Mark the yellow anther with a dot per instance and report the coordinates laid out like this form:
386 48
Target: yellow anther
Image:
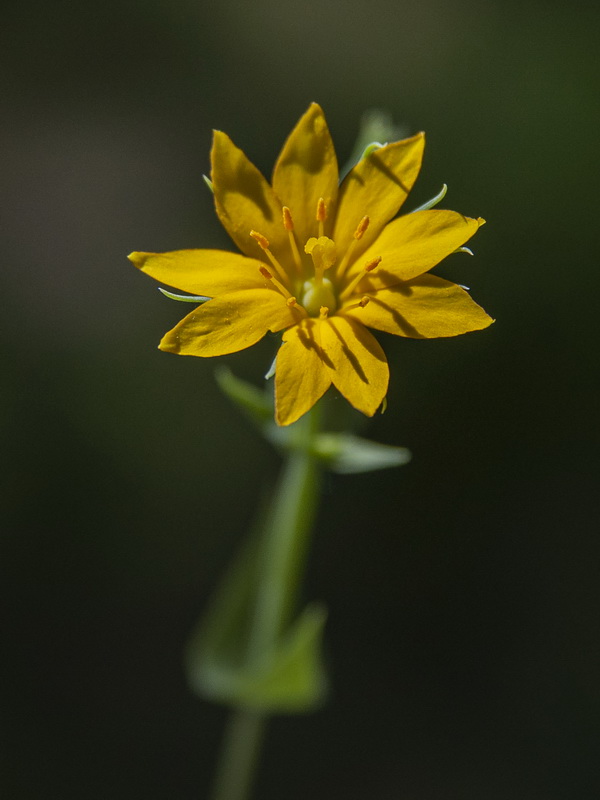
358 234
321 215
361 303
362 227
323 312
263 242
368 267
291 302
288 222
278 284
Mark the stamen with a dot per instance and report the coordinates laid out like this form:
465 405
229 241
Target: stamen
323 312
263 243
361 303
357 235
291 302
321 215
362 227
369 267
288 224
270 277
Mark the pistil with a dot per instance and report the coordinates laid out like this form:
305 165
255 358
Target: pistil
318 291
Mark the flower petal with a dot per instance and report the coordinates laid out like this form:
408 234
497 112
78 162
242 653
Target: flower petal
301 377
413 244
205 272
243 199
307 170
357 364
376 187
229 323
427 307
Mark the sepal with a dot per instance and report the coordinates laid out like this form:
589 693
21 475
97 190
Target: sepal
376 129
434 200
184 298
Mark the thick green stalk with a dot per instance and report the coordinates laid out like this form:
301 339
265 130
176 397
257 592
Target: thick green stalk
283 550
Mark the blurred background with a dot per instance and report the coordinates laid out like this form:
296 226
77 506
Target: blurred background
463 589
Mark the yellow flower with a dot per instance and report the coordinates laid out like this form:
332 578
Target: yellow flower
322 263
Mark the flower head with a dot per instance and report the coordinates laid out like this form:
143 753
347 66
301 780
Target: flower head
322 263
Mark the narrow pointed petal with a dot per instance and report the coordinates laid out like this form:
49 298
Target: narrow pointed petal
243 198
229 323
427 307
376 187
307 170
301 376
414 244
207 272
357 364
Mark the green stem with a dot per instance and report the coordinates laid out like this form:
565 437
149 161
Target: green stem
285 542
239 755
284 546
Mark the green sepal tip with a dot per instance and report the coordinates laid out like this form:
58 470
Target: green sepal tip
434 200
376 126
184 298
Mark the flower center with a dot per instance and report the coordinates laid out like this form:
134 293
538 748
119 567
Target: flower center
318 292
317 296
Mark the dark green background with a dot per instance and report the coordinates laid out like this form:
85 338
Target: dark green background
463 589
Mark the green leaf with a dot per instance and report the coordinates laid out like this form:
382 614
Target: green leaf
254 402
290 678
345 453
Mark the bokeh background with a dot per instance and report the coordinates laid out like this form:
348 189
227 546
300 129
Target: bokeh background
463 588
